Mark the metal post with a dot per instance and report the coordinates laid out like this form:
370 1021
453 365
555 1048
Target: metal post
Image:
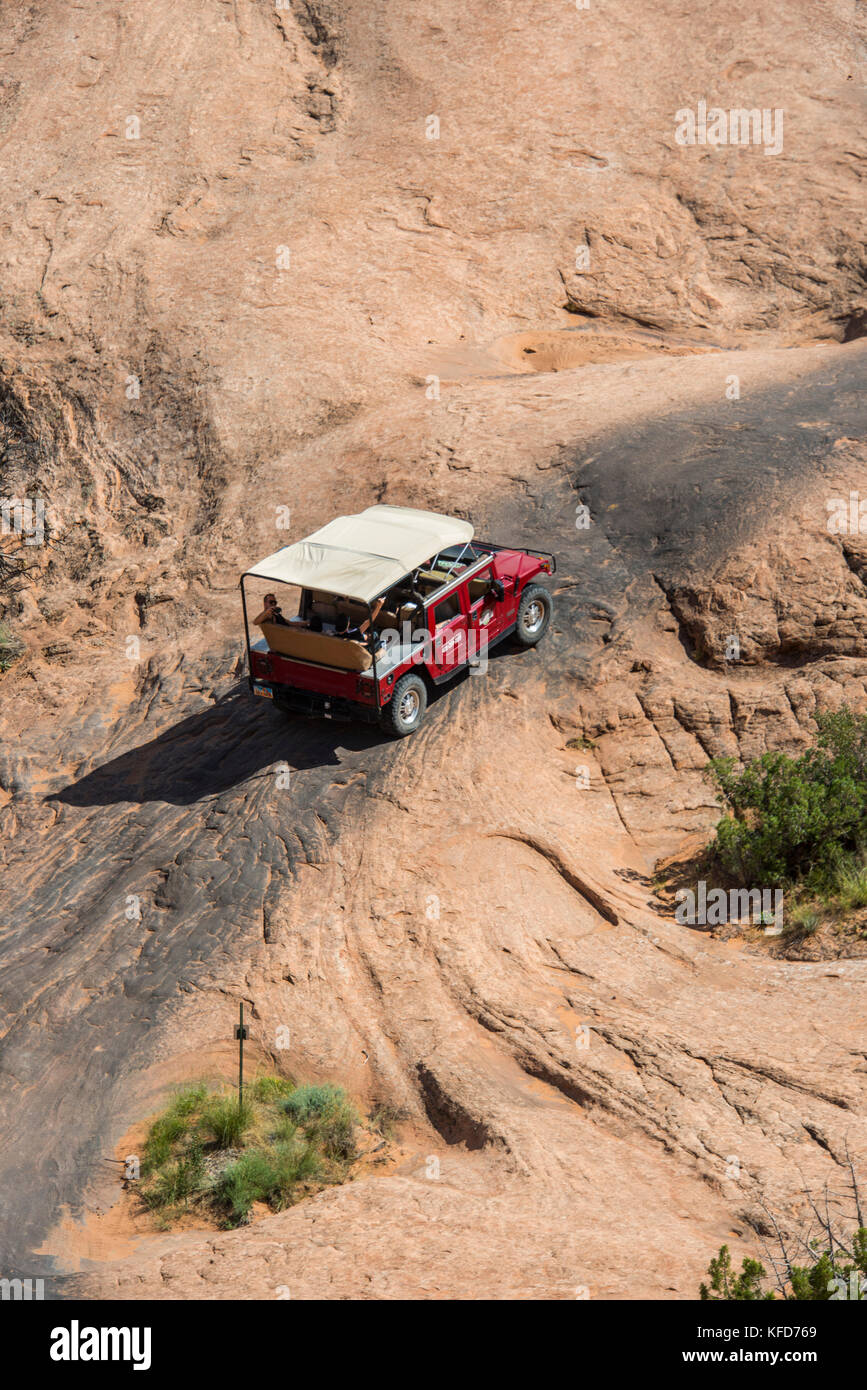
247 632
240 1034
241 1037
371 647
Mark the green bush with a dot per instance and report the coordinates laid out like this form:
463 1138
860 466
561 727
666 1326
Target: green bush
172 1125
849 887
335 1133
189 1099
328 1118
294 1163
726 1286
283 1130
311 1102
177 1181
270 1088
839 1274
250 1179
226 1121
269 1175
290 1140
803 920
797 819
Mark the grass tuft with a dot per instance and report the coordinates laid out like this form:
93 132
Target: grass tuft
850 885
225 1121
803 920
327 1116
291 1141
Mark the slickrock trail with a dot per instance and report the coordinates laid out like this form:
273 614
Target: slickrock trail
453 924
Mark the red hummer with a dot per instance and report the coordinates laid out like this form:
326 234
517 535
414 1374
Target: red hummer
385 605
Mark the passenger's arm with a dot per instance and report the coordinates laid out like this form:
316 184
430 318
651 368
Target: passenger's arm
374 614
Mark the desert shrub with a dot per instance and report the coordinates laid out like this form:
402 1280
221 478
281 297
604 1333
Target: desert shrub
248 1180
796 819
226 1121
189 1099
726 1286
283 1130
270 1088
160 1142
803 920
177 1181
310 1102
327 1116
335 1133
172 1126
294 1163
269 1175
287 1143
849 885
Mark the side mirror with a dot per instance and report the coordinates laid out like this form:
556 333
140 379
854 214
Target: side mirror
498 590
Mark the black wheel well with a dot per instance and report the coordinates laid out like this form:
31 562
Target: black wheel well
423 674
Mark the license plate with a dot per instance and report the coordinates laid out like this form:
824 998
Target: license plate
263 690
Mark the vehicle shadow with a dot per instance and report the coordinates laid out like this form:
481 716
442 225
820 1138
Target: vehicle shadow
215 750
226 745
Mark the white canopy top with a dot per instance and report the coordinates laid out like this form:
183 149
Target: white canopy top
360 556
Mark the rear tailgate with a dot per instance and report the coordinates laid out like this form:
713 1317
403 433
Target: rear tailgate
274 669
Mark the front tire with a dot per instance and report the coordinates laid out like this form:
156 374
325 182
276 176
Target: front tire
406 709
534 615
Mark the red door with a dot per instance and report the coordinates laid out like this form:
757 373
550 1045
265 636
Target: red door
447 633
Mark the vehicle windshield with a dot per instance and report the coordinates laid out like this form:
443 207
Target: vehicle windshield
456 558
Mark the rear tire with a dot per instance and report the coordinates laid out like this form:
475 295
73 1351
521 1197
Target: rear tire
534 615
406 708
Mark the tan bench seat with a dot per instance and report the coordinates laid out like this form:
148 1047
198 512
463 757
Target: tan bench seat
303 645
329 609
432 579
325 607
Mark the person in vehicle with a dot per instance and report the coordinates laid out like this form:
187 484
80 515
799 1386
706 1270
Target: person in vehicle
358 632
342 628
271 613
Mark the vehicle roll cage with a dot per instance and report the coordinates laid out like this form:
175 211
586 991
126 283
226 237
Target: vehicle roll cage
523 550
368 640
